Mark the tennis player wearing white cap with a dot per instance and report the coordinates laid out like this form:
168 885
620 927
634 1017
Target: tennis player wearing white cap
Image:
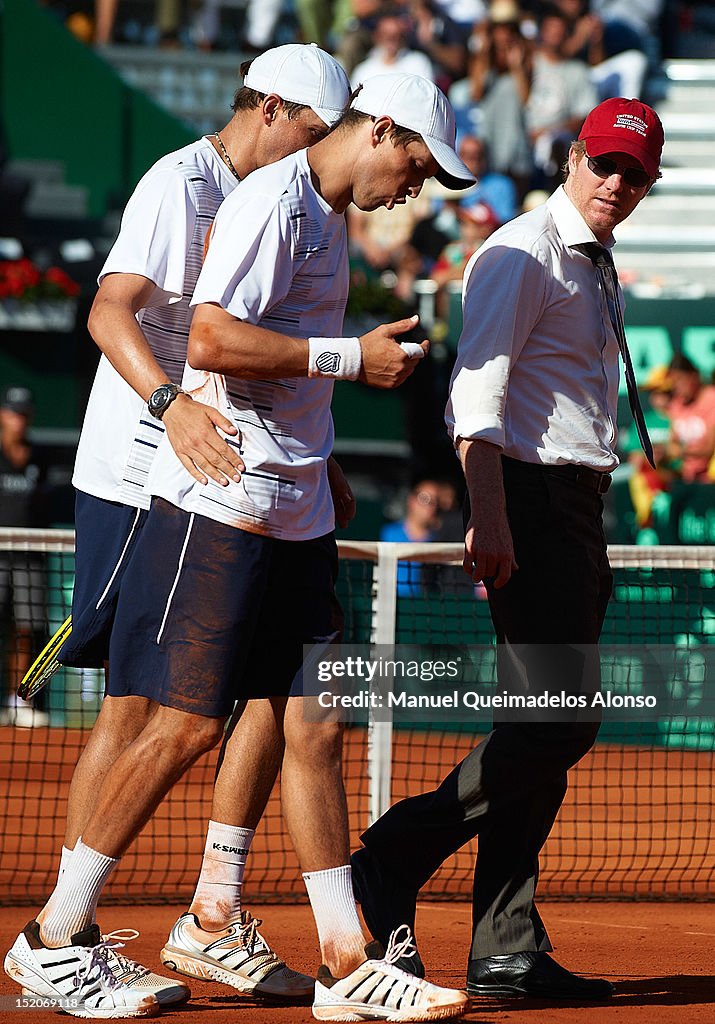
226 584
291 96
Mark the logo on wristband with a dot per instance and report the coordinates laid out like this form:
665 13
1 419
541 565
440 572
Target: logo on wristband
328 362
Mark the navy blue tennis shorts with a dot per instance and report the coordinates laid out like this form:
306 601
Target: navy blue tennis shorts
209 614
106 533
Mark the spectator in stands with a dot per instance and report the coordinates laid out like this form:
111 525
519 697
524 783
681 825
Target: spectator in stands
378 238
439 27
692 419
465 14
489 102
477 222
22 574
434 32
442 224
560 97
323 21
451 525
614 72
437 226
493 188
390 52
355 42
259 27
422 519
629 24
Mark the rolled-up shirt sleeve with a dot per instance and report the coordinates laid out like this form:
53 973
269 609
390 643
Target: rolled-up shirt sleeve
504 297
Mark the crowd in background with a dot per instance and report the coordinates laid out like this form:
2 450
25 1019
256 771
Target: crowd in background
681 422
521 77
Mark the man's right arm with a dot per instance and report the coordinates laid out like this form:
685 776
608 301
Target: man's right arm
221 343
190 426
488 544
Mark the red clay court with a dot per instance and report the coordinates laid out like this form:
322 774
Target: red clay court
626 873
659 954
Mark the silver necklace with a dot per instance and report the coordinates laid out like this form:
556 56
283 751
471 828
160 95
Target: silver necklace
226 157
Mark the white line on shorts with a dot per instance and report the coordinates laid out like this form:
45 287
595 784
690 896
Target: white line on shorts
121 559
176 578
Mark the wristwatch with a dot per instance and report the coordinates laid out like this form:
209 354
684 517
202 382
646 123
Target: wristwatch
161 399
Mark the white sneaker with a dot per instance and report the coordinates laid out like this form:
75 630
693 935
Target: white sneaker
78 975
378 990
130 974
238 956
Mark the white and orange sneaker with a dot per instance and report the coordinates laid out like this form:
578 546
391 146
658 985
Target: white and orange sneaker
79 977
379 990
238 956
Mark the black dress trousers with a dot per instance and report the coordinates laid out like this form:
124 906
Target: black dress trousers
509 789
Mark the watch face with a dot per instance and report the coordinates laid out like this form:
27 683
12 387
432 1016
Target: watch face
160 398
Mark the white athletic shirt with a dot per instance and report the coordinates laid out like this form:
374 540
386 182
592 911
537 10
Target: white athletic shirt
161 238
278 259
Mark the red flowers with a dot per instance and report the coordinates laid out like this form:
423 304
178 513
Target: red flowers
21 279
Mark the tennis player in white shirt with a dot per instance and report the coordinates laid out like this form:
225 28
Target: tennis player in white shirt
226 584
291 96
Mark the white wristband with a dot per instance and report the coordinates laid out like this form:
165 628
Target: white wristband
339 358
413 350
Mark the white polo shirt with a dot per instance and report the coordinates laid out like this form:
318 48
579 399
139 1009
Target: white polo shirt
277 259
161 238
537 363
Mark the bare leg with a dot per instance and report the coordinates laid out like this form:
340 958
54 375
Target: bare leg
312 791
248 765
120 721
252 752
105 11
316 814
141 776
144 773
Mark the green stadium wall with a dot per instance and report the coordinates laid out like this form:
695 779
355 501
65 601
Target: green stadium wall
61 101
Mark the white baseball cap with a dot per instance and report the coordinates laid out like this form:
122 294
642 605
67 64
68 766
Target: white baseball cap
416 103
302 74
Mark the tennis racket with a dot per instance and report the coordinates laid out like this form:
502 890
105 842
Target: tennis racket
45 664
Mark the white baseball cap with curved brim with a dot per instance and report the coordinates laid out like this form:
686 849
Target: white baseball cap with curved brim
302 73
416 103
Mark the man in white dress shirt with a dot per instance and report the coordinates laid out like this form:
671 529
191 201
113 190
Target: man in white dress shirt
532 412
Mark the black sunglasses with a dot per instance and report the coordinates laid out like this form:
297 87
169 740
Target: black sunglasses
604 168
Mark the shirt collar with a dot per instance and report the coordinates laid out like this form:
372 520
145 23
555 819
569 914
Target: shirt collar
570 225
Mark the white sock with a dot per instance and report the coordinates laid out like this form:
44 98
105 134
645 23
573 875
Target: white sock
217 900
342 943
72 906
64 859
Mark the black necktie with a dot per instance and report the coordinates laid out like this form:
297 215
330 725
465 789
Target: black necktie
603 262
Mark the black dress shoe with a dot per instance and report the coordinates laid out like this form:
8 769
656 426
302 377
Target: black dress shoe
535 975
385 904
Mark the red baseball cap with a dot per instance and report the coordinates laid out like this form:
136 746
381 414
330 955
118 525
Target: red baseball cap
625 126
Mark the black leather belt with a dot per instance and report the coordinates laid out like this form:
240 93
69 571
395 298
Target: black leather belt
589 478
584 477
